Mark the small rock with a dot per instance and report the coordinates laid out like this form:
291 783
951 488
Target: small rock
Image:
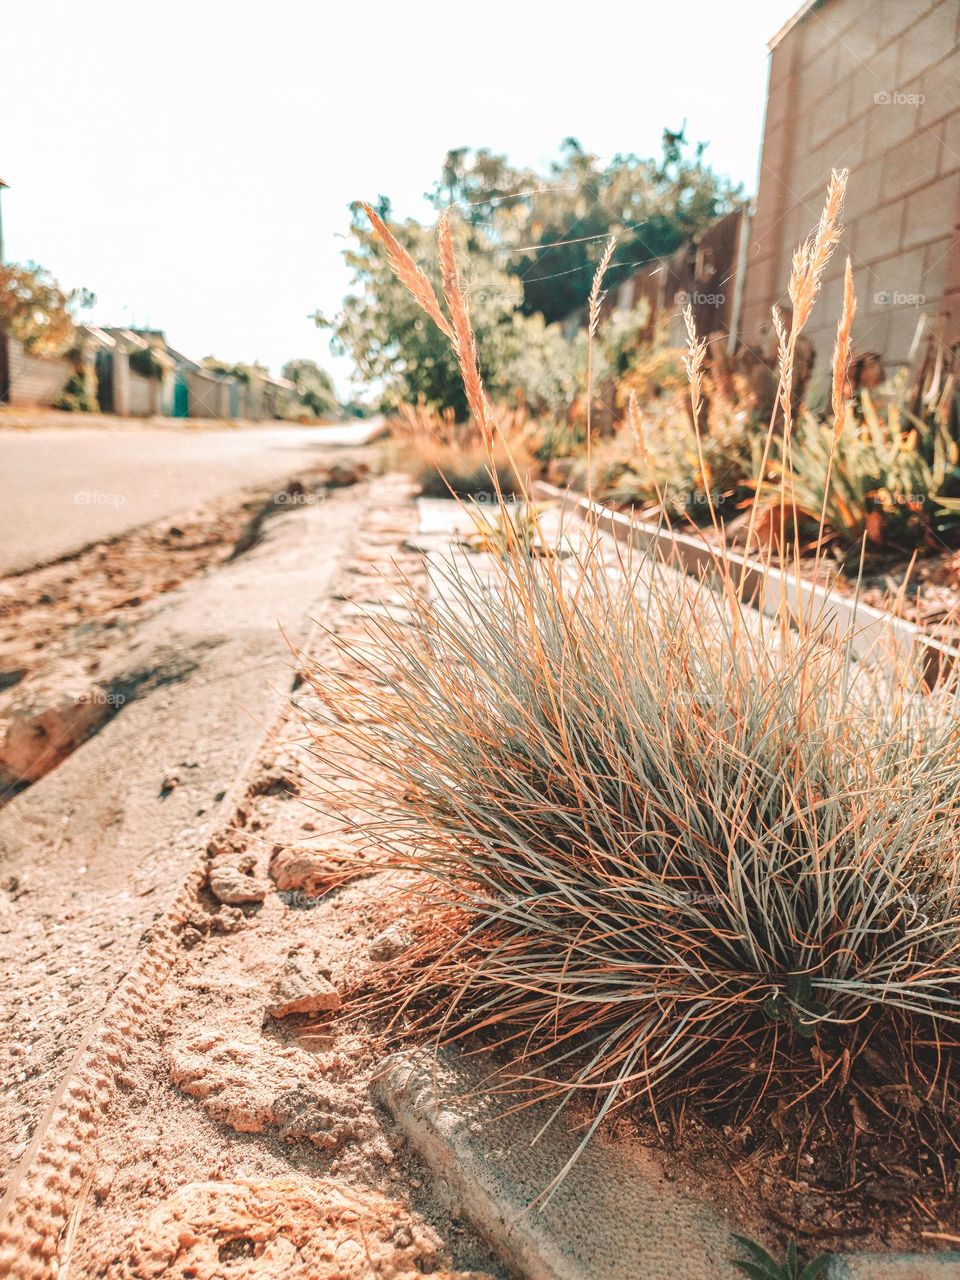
229 884
103 1177
227 920
340 475
44 726
389 944
297 989
310 872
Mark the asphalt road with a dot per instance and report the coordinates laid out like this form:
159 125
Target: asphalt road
62 489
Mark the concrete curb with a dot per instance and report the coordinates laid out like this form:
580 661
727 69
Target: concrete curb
614 1217
894 1266
765 586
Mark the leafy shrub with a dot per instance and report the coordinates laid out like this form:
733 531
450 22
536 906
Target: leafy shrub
658 371
75 396
659 458
391 342
35 310
894 479
144 361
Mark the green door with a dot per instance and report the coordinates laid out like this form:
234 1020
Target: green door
181 399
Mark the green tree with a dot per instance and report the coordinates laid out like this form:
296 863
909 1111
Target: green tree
35 309
529 244
246 373
395 346
315 389
551 229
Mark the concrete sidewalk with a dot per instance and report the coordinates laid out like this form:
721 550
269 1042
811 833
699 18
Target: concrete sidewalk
90 854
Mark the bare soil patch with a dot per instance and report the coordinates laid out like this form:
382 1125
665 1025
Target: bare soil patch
221 1112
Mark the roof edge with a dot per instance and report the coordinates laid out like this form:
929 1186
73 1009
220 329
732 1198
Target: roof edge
805 8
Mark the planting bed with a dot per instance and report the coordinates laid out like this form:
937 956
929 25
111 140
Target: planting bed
693 554
872 1167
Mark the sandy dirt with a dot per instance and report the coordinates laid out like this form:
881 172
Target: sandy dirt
229 1140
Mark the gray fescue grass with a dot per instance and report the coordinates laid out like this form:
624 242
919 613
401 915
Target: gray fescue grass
661 837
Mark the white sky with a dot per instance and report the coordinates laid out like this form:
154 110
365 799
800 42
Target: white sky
192 163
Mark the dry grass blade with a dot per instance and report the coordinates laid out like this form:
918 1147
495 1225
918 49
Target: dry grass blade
809 263
596 288
693 363
841 351
811 258
408 273
635 426
593 320
463 338
838 401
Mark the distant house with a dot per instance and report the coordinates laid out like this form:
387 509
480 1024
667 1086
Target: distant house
176 393
874 88
137 373
30 380
195 391
133 376
269 397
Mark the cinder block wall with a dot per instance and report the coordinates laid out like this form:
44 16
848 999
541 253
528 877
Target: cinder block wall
144 396
874 88
35 380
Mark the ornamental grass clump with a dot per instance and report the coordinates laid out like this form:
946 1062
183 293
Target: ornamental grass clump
661 840
448 457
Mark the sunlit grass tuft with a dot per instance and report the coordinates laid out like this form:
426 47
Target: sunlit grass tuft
659 837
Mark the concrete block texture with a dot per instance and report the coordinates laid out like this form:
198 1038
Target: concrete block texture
874 88
614 1217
